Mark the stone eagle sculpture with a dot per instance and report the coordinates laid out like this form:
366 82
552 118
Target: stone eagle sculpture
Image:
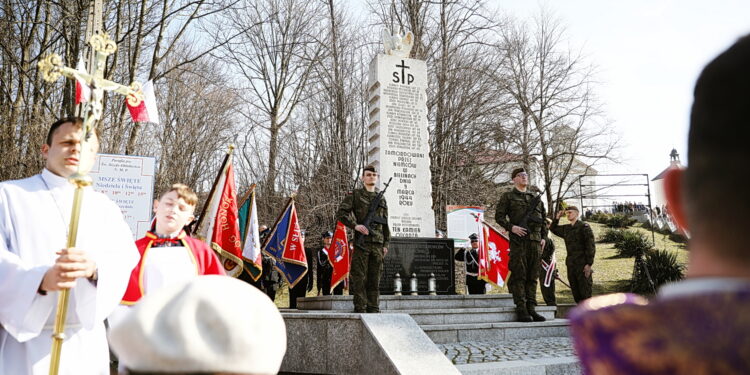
398 45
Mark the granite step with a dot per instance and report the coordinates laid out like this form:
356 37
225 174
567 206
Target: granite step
346 303
543 366
498 331
470 315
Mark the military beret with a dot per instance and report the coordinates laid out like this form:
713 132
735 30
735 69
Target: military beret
517 171
473 237
574 208
370 168
326 234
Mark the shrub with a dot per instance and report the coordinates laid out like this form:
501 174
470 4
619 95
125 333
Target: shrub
620 221
612 236
599 217
677 237
663 268
632 244
646 225
664 230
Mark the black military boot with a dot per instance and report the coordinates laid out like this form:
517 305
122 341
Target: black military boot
534 315
523 315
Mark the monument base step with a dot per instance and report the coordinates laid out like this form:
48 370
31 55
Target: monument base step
499 331
388 302
470 315
544 366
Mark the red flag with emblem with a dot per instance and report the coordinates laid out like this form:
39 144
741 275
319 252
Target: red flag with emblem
494 256
338 255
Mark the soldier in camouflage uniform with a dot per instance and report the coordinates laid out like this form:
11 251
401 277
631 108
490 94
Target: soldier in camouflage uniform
579 242
367 260
525 243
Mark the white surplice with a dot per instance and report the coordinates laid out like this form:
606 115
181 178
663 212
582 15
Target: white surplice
34 215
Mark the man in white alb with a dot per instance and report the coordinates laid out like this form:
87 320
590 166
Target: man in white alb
34 218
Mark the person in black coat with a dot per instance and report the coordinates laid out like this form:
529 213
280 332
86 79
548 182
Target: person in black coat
325 269
471 259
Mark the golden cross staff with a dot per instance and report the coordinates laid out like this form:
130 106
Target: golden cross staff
51 68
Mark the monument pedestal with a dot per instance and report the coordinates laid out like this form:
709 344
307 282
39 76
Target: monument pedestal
420 256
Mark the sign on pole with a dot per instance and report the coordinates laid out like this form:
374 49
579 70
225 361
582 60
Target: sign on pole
462 223
129 182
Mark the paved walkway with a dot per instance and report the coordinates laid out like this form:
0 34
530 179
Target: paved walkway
508 350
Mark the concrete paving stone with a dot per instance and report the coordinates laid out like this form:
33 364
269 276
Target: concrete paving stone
541 349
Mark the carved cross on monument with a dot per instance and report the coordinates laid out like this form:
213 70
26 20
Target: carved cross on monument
52 68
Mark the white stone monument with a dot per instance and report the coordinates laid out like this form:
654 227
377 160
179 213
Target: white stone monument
398 136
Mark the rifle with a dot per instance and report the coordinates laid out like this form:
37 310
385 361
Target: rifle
370 218
524 223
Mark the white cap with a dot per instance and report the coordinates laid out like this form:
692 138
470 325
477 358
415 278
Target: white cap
210 324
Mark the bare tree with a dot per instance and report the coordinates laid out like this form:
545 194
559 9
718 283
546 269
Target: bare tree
274 53
197 125
557 118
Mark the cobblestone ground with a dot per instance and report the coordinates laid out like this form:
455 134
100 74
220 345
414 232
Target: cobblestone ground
509 350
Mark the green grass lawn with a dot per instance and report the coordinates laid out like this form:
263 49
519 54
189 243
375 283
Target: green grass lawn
611 274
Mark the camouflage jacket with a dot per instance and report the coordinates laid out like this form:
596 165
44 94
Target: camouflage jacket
511 209
579 241
358 202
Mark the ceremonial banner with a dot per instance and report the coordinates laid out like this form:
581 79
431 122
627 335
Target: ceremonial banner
339 256
284 245
251 255
219 226
494 255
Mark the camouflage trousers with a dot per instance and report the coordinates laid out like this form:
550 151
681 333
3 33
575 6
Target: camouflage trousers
524 268
580 285
367 266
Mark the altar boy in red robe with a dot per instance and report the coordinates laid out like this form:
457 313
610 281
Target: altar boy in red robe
168 254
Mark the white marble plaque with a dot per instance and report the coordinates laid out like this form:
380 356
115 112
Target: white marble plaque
129 182
399 142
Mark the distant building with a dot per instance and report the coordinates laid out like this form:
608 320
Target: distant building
497 167
657 196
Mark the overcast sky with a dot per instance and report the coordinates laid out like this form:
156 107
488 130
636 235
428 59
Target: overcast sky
648 55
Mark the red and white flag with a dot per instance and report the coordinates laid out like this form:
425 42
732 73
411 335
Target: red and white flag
339 255
146 111
83 91
494 256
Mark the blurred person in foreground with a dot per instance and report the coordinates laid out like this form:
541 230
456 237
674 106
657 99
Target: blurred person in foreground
209 325
34 267
700 325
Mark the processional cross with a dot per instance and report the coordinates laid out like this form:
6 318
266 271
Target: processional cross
52 68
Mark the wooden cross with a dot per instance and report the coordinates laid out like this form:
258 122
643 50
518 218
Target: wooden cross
52 68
